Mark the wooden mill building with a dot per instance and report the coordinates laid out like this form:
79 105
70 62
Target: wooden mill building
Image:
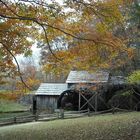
87 86
48 94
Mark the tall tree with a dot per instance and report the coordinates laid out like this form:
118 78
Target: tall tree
130 32
86 25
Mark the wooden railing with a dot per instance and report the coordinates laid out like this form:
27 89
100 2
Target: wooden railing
59 114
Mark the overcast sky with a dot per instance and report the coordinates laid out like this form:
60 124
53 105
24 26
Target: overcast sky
35 56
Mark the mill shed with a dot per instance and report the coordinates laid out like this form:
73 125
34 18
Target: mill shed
88 78
85 90
48 93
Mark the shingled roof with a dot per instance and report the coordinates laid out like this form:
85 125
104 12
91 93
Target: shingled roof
117 80
87 77
51 89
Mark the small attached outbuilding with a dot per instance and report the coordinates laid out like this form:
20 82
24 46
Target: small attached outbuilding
85 90
48 94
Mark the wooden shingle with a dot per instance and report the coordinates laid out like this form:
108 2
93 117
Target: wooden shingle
87 77
51 89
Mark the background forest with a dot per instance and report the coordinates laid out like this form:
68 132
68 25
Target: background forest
71 35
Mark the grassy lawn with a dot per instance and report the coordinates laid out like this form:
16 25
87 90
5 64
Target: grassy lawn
9 115
10 106
102 127
7 106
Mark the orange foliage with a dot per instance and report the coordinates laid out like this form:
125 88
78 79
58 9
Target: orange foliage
87 26
9 96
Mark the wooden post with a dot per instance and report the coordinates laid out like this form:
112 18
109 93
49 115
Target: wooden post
36 117
131 102
57 113
96 102
136 107
34 105
113 110
88 112
79 101
62 113
15 119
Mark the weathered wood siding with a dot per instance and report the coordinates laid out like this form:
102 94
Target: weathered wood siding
74 85
46 102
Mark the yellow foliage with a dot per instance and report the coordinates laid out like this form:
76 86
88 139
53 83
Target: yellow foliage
88 27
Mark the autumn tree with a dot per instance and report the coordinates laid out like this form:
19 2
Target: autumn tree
85 25
29 74
130 32
134 36
96 44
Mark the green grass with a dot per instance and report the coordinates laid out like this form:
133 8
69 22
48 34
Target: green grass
7 106
102 127
11 106
5 91
11 115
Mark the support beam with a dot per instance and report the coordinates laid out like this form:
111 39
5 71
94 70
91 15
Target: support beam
79 102
96 102
88 101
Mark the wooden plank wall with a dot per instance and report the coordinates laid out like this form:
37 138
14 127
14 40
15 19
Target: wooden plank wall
46 102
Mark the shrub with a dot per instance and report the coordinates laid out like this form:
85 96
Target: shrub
134 78
123 99
7 95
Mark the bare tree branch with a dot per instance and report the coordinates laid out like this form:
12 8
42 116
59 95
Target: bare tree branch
94 10
38 3
61 30
48 43
18 67
4 3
